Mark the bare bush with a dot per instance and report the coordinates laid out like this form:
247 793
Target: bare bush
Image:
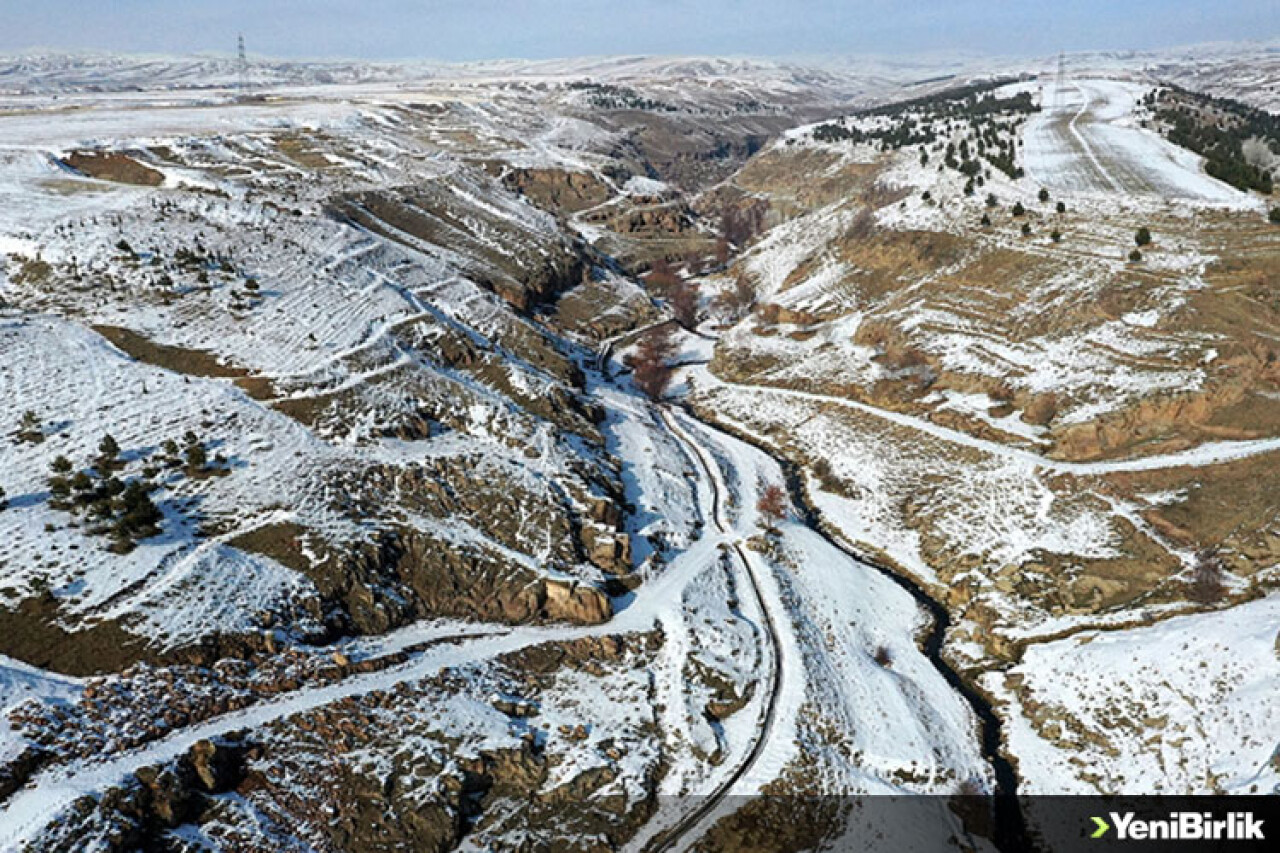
684 303
772 505
1208 577
662 277
649 368
875 333
863 226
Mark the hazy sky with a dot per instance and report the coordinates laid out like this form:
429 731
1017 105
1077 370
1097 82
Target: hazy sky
483 29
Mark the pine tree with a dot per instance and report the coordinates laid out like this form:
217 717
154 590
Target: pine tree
197 458
1044 195
108 455
30 428
1143 237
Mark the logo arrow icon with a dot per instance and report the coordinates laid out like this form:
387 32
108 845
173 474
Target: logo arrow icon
1102 825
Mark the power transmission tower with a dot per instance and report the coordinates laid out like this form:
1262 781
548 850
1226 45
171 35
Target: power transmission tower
242 64
1060 83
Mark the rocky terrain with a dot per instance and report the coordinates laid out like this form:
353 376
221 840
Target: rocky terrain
558 456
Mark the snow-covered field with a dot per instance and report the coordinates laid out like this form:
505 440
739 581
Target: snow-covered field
1190 705
1086 140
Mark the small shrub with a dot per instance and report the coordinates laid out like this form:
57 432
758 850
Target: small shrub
1135 257
1208 577
1044 195
1018 209
1062 207
1142 237
1026 229
1274 216
883 656
1055 235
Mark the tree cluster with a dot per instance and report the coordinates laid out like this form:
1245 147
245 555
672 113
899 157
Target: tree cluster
119 508
1216 129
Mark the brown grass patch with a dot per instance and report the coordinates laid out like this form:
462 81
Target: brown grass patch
189 362
114 166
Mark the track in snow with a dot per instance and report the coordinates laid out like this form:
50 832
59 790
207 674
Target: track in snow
671 838
1090 142
1213 453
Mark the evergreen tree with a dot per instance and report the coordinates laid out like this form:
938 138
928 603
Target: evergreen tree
108 455
30 428
197 458
1143 237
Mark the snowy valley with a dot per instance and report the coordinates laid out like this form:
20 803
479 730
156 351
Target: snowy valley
631 454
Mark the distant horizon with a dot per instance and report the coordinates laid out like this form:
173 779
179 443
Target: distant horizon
798 58
454 31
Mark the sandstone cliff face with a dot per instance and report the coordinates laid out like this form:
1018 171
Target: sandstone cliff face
1174 421
556 190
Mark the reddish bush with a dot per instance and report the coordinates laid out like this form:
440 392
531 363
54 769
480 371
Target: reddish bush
684 304
772 504
649 368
